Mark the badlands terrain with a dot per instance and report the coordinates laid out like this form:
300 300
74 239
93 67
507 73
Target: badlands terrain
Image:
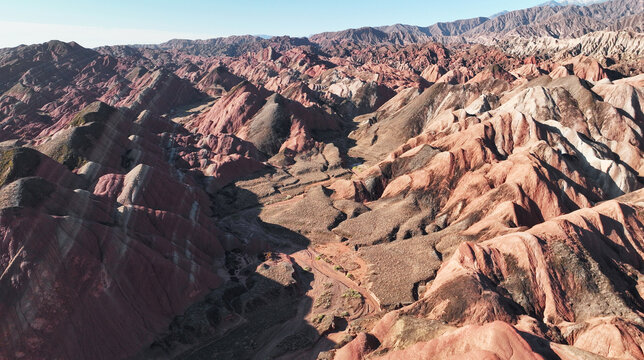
465 190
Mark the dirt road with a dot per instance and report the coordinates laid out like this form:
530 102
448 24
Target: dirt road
306 258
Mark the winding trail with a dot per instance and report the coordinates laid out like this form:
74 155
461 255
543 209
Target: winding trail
246 223
307 256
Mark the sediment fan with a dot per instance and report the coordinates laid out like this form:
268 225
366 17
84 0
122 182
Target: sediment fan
465 190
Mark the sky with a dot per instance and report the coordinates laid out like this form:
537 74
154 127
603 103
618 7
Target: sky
112 22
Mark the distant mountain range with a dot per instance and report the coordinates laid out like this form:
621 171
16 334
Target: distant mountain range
558 20
572 2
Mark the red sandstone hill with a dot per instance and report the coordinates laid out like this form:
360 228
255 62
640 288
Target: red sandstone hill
357 195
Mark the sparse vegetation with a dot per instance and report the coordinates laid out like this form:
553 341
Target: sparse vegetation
17 163
324 300
67 156
6 165
352 294
318 318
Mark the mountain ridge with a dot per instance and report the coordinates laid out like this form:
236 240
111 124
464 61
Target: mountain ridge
532 22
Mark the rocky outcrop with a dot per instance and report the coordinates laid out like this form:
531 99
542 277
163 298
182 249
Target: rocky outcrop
544 255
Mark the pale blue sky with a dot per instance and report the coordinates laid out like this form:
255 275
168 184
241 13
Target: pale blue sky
94 23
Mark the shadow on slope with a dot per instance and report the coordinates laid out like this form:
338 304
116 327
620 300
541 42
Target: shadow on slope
261 311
